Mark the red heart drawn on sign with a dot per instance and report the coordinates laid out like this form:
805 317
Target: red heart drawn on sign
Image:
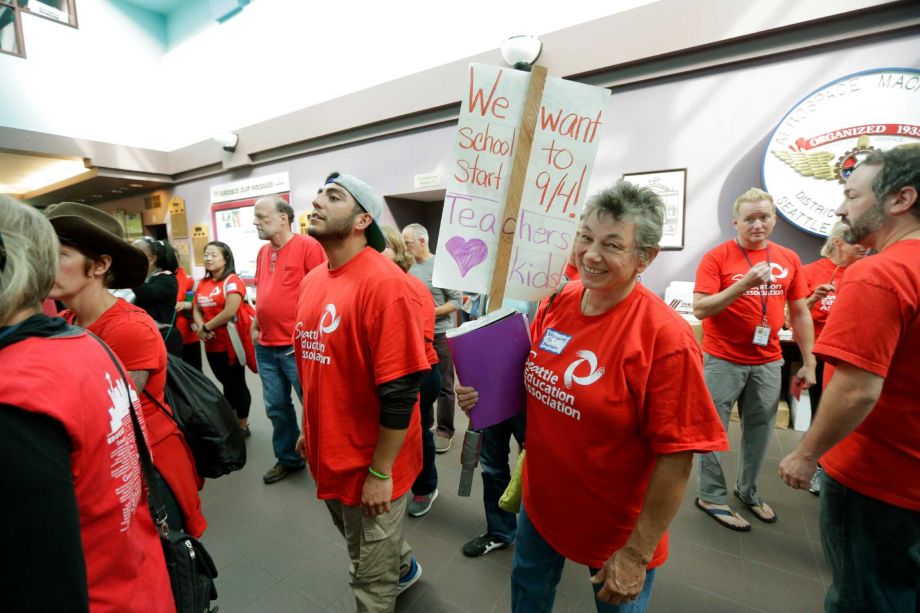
467 253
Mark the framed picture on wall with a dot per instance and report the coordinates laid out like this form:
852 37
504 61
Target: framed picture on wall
671 185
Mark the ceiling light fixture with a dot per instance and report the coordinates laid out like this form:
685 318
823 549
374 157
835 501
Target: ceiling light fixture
521 51
227 140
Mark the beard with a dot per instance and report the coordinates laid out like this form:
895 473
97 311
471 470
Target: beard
335 232
870 222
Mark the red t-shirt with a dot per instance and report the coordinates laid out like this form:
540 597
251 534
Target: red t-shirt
606 395
184 318
133 336
426 316
355 330
729 335
875 326
819 273
278 275
211 301
74 381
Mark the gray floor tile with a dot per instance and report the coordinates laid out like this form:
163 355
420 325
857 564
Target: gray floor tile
789 554
712 571
775 591
283 599
672 596
241 583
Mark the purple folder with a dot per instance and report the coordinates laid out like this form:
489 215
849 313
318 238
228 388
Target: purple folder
489 355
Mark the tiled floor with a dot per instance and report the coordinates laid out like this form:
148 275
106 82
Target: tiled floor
277 550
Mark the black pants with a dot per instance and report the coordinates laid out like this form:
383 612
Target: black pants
233 378
427 480
191 354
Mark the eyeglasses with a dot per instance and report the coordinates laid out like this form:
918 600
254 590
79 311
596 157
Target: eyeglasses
2 254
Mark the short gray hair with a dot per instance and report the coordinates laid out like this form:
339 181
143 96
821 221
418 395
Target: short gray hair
900 168
31 257
417 230
281 206
628 203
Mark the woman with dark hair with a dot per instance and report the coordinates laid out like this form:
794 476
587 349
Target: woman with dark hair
157 295
79 536
94 257
217 299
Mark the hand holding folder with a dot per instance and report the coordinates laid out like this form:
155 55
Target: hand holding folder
489 355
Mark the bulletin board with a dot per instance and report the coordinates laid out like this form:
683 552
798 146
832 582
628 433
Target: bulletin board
232 222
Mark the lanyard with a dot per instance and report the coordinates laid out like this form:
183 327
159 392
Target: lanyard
760 292
834 276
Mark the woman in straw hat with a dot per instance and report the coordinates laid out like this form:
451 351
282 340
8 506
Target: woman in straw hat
94 257
76 537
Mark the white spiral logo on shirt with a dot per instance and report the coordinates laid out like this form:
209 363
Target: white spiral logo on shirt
335 321
777 272
591 377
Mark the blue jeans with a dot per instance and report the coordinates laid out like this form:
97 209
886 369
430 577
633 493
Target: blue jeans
537 568
872 549
496 474
278 372
427 480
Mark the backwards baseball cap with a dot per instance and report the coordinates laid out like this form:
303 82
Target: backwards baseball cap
368 200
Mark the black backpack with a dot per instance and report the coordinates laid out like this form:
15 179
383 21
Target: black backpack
205 418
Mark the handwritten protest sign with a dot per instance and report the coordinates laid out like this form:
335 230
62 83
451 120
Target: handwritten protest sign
564 146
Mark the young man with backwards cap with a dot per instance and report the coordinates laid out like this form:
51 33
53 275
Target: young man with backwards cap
360 358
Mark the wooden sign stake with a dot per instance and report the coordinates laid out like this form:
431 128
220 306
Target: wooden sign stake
516 187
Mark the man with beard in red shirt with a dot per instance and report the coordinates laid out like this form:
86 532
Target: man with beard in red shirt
867 431
360 359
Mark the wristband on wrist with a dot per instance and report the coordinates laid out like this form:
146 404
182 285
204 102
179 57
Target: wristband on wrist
376 474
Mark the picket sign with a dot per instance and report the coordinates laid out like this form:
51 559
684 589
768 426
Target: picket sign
510 234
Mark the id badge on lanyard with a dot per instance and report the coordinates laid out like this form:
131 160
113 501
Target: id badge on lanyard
762 333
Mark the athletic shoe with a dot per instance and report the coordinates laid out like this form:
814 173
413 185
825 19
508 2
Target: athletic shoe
279 471
481 545
411 577
419 505
441 443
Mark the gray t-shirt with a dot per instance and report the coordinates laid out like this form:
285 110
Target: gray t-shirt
424 270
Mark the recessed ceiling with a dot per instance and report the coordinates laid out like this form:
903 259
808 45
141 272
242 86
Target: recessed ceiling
21 174
40 181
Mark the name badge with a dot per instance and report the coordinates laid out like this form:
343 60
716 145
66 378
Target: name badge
762 335
554 341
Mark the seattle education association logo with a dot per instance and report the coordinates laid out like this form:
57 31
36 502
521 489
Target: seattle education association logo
818 143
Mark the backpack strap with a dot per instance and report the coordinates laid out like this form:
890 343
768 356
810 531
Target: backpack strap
157 507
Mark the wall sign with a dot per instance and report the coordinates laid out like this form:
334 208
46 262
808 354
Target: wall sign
252 187
818 143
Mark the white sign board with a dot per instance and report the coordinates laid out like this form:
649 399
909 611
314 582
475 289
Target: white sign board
821 139
565 143
252 187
